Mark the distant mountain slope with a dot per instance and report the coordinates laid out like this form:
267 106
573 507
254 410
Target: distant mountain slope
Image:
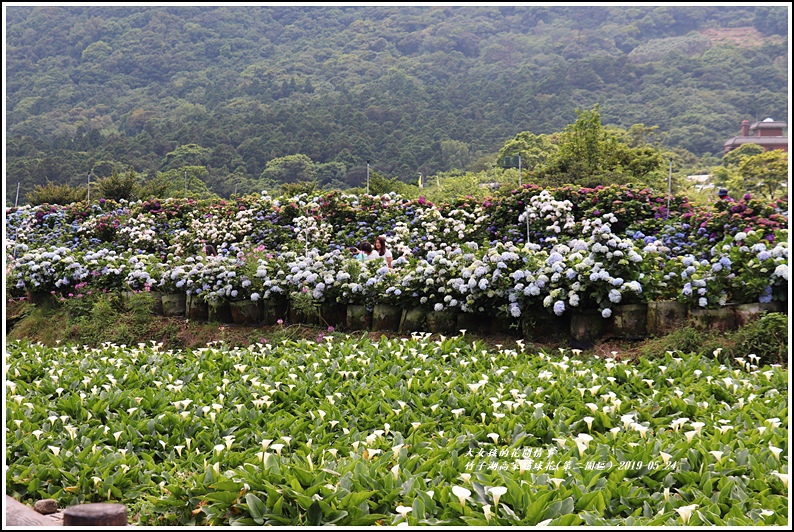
411 89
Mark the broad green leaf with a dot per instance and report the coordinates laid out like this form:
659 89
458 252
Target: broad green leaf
277 519
566 520
256 508
244 521
418 508
277 507
226 485
355 499
557 508
315 515
305 478
226 497
593 500
209 476
535 510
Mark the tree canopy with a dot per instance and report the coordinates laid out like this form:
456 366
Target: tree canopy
765 173
410 88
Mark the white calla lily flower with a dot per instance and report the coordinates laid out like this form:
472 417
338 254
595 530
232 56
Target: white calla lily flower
497 492
686 512
461 493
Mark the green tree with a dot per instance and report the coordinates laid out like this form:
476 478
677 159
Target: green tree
535 150
766 173
331 174
131 86
117 186
224 155
236 183
55 194
735 157
590 154
455 154
291 168
379 185
97 51
296 189
103 168
154 188
643 165
186 182
449 186
582 148
187 155
641 135
771 20
722 176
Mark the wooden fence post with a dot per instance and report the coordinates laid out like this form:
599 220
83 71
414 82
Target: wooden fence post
95 514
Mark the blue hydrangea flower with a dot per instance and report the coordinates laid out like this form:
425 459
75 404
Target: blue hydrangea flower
554 257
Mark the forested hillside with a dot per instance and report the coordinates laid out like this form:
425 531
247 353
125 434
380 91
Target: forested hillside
409 89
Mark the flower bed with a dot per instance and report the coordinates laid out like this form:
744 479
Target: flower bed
563 249
445 432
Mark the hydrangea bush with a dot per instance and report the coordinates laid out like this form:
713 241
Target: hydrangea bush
559 249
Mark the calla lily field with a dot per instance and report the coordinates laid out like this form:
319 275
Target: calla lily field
403 431
414 430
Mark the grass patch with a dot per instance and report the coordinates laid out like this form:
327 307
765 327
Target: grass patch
766 338
41 324
688 340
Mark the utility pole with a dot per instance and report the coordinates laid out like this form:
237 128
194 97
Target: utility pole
186 184
88 197
16 201
367 177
